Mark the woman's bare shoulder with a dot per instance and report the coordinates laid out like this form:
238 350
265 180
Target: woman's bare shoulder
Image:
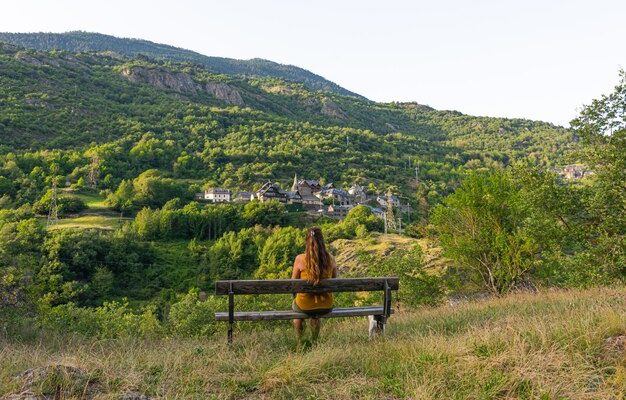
299 261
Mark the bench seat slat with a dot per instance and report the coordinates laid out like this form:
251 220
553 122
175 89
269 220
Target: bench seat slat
278 286
290 314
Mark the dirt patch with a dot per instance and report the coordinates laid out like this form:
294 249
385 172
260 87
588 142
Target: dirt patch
615 344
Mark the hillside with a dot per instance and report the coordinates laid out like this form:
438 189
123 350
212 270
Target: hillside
552 345
227 130
96 42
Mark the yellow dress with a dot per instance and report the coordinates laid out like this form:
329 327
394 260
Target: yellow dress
314 301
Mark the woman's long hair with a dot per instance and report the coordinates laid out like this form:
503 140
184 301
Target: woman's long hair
317 261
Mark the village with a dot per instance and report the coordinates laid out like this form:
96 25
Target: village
312 196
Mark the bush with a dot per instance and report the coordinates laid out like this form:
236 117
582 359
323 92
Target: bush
236 255
190 317
340 230
66 204
417 287
83 265
267 213
481 227
279 252
111 320
364 216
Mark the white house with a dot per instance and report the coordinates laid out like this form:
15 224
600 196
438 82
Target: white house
217 195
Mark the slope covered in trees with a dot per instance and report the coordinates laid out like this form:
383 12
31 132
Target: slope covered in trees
97 42
62 110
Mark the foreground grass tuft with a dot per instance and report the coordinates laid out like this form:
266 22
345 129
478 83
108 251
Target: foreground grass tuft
547 346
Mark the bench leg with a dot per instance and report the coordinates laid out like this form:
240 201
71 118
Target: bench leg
231 313
377 325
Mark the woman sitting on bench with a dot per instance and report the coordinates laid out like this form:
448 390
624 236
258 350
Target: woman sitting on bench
314 265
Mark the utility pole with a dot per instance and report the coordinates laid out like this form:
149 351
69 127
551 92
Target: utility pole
94 171
53 212
408 211
385 220
390 221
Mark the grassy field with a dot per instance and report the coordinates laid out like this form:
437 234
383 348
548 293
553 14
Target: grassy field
96 216
554 345
90 221
93 200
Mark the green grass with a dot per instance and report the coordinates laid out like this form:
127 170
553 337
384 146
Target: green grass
547 346
92 199
91 222
96 216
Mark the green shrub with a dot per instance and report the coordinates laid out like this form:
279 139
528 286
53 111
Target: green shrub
279 252
336 230
111 320
190 317
481 227
363 215
66 204
417 287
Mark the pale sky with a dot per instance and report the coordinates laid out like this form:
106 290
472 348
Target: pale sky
529 58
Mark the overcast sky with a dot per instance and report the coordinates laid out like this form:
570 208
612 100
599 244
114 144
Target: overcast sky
537 59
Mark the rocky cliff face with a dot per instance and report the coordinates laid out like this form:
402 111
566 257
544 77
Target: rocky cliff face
224 92
183 83
325 106
331 109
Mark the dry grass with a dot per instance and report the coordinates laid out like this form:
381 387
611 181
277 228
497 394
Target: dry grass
547 346
347 251
380 245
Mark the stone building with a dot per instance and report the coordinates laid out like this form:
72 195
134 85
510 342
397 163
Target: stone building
271 191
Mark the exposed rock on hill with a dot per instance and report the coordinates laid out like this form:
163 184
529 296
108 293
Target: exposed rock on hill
178 82
182 83
331 109
224 92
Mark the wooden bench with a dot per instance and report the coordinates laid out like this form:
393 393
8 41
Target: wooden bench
284 286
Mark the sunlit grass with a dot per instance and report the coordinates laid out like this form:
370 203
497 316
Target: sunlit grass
92 199
546 346
90 221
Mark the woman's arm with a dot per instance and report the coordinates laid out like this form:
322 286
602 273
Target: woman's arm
295 273
334 267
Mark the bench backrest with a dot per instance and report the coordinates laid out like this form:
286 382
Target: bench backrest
278 286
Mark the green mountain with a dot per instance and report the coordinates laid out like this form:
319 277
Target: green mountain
96 42
58 109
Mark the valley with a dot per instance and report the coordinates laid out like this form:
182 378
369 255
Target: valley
134 175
